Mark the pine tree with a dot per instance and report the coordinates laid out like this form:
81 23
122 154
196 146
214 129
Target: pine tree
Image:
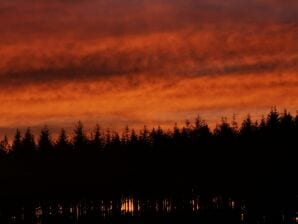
79 139
4 145
45 144
96 141
17 142
63 142
28 142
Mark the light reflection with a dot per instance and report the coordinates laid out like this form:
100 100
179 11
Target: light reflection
60 209
127 206
134 207
38 212
242 217
195 204
231 203
167 205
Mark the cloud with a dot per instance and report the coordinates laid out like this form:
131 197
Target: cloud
118 101
144 62
33 18
213 50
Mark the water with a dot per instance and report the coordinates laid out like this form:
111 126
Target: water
129 209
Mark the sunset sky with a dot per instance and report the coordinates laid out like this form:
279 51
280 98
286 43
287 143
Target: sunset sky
137 62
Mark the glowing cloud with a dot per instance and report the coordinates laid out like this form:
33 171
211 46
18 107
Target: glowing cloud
144 62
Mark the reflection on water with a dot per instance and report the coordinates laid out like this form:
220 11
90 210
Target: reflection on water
93 211
127 206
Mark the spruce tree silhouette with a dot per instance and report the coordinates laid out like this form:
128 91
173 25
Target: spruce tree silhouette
63 143
4 146
45 144
145 141
125 136
79 139
108 138
115 142
201 129
17 143
96 141
247 128
28 142
133 138
224 130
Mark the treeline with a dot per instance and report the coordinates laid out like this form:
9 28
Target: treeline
247 159
281 127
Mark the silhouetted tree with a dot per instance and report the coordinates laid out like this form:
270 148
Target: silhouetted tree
273 119
79 138
133 137
45 144
28 143
4 146
224 130
201 129
158 138
17 142
177 138
125 136
247 128
115 141
107 138
62 142
145 136
96 141
186 130
287 124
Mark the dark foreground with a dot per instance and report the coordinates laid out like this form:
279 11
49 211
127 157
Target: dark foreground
191 174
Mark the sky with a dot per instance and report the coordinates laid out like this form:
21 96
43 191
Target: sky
144 62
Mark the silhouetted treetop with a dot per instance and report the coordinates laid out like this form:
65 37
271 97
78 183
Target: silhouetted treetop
79 139
96 140
281 127
17 142
45 142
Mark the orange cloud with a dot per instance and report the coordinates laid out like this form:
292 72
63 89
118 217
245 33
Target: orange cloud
144 62
211 51
148 101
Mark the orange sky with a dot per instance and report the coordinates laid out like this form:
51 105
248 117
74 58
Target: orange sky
142 62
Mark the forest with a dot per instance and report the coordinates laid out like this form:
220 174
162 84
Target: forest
254 160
